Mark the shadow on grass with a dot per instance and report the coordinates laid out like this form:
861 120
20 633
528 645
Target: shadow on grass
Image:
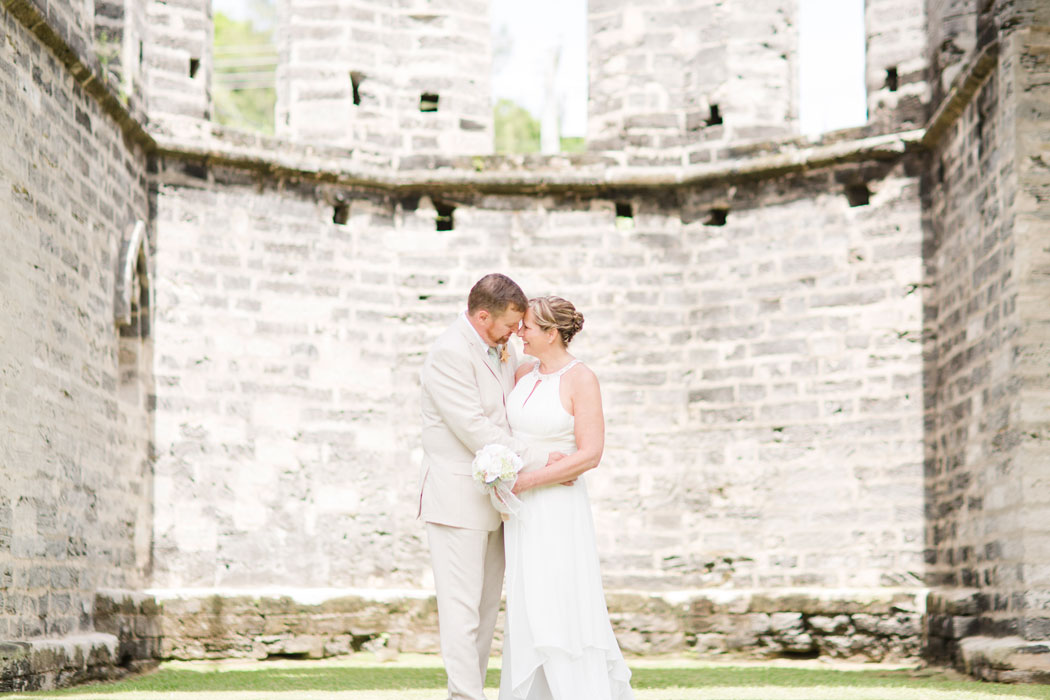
399 678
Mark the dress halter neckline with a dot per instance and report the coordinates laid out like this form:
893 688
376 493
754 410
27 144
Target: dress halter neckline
563 370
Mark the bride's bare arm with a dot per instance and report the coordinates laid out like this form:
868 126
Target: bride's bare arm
586 397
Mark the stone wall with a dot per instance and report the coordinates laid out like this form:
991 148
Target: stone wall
986 359
281 407
360 73
71 21
125 642
75 472
951 28
1031 219
762 378
874 626
972 321
770 320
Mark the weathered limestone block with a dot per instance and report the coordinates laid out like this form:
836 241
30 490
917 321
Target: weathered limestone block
75 509
787 633
53 663
829 625
217 626
1005 659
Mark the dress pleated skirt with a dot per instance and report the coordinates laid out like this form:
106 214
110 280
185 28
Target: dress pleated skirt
558 641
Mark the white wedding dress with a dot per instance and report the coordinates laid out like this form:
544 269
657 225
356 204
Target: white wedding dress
558 643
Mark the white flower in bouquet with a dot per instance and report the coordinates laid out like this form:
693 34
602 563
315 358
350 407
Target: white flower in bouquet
495 470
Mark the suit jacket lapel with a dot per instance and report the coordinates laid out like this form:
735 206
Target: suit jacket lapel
507 372
480 351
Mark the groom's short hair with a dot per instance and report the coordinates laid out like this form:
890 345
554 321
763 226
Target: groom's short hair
494 293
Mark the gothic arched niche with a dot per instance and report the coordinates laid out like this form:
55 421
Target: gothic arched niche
134 304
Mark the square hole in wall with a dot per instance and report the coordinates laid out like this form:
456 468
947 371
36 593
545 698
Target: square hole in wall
717 216
444 219
341 213
355 85
892 80
624 215
428 102
714 118
858 195
195 65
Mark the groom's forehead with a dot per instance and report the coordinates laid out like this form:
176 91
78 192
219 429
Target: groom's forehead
510 316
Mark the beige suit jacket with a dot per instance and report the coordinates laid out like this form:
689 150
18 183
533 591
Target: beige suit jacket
464 409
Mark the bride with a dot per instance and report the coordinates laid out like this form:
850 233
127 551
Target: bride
558 643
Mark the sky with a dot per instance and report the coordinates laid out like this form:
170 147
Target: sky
830 61
832 94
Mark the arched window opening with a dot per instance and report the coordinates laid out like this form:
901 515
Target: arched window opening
133 315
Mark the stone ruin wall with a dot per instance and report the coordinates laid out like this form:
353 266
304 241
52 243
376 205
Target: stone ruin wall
742 365
739 360
75 383
987 471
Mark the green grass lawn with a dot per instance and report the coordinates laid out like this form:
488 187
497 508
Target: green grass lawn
422 678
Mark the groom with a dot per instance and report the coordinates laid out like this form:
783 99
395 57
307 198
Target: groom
465 381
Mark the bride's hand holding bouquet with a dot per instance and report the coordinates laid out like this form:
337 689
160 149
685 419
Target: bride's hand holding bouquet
495 469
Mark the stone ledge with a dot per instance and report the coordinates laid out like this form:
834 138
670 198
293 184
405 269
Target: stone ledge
857 624
964 87
126 640
308 623
133 617
1006 659
185 138
54 663
867 624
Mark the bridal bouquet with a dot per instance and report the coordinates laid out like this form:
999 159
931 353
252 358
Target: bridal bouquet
495 469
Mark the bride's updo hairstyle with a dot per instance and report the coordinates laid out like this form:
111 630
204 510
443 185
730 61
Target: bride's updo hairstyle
555 312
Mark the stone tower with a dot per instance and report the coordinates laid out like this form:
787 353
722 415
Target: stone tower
668 73
403 78
178 57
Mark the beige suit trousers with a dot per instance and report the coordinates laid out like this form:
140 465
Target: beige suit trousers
468 576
